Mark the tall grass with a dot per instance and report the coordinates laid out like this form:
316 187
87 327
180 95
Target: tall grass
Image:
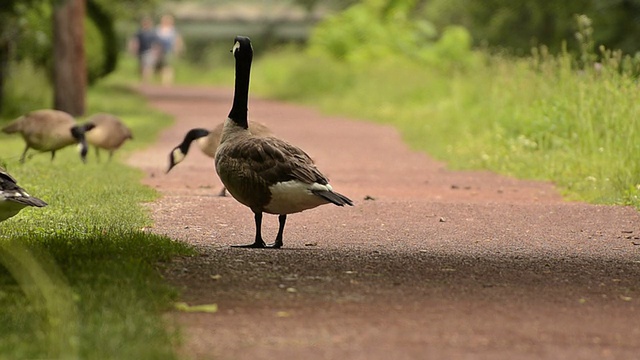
79 277
536 118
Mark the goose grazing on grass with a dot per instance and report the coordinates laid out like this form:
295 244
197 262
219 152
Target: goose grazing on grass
49 130
109 133
208 141
13 198
266 174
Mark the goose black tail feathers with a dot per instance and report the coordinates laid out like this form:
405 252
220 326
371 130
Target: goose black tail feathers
333 197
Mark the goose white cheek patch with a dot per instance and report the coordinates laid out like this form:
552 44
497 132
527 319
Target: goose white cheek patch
178 156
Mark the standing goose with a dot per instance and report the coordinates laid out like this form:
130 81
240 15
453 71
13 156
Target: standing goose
49 130
109 133
266 174
208 141
13 198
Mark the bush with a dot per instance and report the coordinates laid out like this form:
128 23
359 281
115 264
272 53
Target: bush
374 30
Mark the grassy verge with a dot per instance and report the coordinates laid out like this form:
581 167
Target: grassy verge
528 118
79 277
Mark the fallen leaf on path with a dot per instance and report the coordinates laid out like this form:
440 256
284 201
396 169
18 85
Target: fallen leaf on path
205 308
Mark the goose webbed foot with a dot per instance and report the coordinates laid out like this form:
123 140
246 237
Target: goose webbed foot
260 245
255 245
258 242
275 245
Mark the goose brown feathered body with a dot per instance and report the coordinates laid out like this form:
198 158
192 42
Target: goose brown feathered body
109 133
13 198
266 174
49 130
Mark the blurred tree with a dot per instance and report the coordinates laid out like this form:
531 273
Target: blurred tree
69 61
26 32
103 61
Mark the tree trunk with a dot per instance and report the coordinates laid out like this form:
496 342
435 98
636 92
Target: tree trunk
69 63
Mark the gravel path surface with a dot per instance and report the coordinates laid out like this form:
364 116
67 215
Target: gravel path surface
429 264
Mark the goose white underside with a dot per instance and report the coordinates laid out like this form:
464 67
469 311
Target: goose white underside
294 196
9 208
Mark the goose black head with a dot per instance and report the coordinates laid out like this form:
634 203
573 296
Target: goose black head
242 48
179 152
78 133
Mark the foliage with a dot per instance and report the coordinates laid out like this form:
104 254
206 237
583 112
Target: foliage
376 29
25 34
545 116
107 55
33 47
29 89
520 25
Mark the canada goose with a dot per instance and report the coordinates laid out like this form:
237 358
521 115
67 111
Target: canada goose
266 174
13 198
109 133
208 141
49 130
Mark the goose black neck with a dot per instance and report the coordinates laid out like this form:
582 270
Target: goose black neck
193 134
241 93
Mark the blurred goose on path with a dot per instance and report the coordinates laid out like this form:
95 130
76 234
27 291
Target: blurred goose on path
208 141
266 174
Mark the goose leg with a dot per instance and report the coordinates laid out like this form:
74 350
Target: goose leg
282 219
53 155
258 243
24 154
223 192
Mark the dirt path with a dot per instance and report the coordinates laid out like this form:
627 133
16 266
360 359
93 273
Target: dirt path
439 265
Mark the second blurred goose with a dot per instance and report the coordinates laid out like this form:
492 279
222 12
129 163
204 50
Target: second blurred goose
208 141
109 133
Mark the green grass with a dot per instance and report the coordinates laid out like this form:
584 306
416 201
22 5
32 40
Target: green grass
526 118
79 277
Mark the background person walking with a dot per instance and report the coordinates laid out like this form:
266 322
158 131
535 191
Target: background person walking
145 44
171 44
